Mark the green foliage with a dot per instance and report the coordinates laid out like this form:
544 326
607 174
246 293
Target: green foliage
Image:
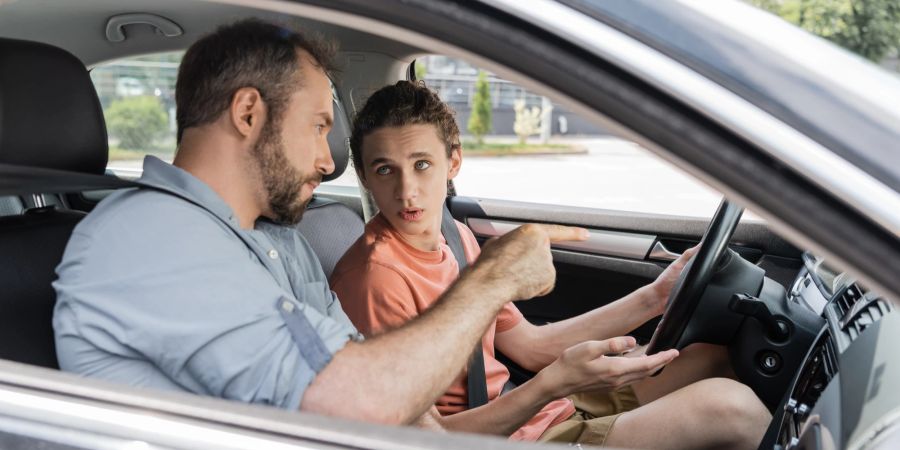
480 119
136 121
421 70
870 28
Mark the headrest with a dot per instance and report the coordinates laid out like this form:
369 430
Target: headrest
339 141
50 116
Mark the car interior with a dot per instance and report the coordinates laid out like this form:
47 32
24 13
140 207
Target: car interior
54 124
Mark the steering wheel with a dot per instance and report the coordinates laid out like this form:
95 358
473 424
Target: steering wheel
696 275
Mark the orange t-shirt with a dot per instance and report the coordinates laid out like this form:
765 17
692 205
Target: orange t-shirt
383 281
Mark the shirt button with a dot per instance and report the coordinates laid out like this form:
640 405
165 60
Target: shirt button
287 306
273 254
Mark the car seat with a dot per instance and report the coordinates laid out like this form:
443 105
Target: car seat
50 117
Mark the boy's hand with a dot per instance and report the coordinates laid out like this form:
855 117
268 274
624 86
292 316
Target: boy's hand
595 365
662 287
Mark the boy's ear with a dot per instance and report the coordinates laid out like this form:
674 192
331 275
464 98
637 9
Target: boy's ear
455 162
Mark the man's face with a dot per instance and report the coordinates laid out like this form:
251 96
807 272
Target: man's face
406 169
293 154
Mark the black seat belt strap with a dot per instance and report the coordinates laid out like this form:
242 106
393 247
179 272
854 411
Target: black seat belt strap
476 381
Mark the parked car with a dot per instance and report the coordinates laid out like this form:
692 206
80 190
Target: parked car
783 123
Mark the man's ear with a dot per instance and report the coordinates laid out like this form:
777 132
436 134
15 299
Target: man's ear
455 162
247 112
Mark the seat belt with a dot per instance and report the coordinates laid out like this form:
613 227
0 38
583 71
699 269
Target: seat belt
25 180
476 381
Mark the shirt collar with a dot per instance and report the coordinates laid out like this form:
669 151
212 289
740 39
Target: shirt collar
173 179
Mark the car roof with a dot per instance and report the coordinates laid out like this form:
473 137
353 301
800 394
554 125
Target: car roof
79 27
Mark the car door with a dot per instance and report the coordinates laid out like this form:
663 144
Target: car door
626 250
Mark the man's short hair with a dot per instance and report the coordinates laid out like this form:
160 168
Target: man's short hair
404 103
247 53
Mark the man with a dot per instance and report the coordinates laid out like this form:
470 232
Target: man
406 148
180 285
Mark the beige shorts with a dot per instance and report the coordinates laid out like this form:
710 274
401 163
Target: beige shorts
595 414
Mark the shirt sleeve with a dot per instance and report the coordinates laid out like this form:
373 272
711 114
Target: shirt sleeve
196 305
509 317
375 297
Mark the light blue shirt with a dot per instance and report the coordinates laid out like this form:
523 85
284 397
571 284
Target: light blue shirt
165 290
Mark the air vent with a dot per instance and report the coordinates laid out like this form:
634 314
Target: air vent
859 310
847 300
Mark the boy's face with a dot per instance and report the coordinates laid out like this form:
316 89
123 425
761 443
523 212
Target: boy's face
406 169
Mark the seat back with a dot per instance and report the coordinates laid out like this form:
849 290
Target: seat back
50 117
31 246
331 227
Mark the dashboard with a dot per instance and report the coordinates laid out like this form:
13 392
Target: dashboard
845 394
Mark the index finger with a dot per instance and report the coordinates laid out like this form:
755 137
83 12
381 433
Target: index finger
562 233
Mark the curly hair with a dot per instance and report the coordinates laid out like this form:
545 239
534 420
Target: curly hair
400 104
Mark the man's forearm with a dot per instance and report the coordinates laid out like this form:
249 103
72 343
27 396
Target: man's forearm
395 377
431 420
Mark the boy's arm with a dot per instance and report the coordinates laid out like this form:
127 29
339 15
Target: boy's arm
504 415
583 367
534 347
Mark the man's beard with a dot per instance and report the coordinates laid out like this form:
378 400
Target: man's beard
281 181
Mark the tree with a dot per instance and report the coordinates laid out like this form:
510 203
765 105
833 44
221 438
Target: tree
421 70
136 121
528 120
480 119
870 28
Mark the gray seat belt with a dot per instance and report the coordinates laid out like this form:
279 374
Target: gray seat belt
476 381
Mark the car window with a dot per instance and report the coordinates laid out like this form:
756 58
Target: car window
138 99
518 145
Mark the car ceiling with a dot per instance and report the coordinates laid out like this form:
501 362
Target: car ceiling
79 27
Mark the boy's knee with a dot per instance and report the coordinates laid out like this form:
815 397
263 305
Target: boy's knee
734 406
